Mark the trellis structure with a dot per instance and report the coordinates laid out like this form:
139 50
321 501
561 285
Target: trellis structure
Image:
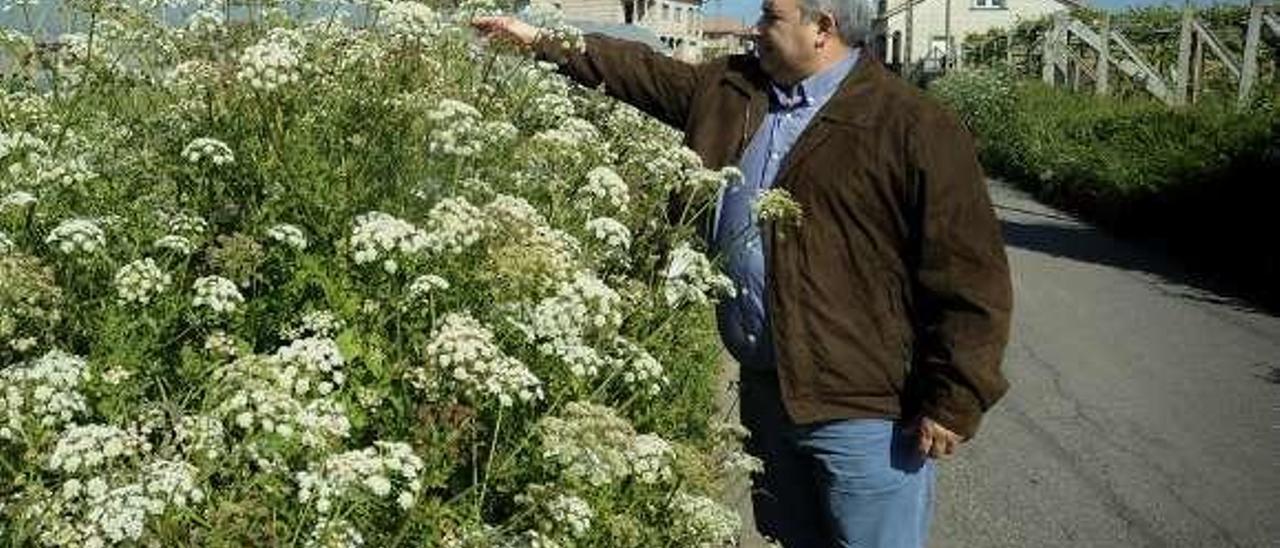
1063 64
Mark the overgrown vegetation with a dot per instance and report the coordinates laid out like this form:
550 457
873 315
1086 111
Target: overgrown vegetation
1202 177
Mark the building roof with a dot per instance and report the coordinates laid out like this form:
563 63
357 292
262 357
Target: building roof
634 33
723 25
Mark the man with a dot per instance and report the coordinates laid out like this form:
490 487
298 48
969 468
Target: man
870 336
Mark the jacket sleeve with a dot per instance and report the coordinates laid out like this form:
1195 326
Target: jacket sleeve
632 72
962 294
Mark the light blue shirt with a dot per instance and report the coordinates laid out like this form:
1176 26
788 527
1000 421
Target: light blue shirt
744 319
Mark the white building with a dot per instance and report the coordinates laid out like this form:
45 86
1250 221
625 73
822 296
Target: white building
724 36
677 23
938 27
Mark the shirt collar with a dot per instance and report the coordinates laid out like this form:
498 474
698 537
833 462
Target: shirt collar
817 87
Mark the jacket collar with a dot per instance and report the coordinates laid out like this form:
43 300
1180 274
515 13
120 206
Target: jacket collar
853 103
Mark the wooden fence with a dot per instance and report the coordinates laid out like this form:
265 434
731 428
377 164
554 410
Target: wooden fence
1066 63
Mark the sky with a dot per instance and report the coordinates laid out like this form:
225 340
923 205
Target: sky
747 10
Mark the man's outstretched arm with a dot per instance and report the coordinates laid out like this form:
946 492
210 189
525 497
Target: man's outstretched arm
656 84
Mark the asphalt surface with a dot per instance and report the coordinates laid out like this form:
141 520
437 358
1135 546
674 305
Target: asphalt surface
1144 409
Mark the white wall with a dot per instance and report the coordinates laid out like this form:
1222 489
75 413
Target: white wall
929 21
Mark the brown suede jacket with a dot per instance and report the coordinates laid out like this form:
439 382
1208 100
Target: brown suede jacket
893 297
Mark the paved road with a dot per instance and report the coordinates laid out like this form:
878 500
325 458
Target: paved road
1145 408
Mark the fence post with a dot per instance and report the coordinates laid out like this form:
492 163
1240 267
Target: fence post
1197 67
908 40
1008 47
1184 56
1104 56
1249 68
1051 47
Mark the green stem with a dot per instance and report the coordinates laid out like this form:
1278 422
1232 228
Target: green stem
493 444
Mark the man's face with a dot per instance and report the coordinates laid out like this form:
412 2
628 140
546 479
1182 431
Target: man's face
785 41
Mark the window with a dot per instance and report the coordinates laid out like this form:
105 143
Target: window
897 47
989 4
679 14
666 12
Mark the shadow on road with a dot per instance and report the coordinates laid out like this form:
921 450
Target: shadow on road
1272 375
1078 242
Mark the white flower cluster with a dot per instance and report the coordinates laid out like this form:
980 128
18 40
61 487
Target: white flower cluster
777 205
551 20
379 236
580 306
95 513
269 64
207 21
640 369
512 213
451 110
322 421
668 164
182 223
589 442
388 470
75 236
114 375
264 407
409 21
289 235
66 173
453 225
570 139
650 457
6 244
84 448
191 74
310 364
604 185
550 107
422 287
479 7
217 293
140 281
464 350
200 437
220 344
208 149
707 182
42 393
315 323
173 481
612 233
583 360
571 514
173 242
704 522
459 131
21 142
690 278
334 533
17 199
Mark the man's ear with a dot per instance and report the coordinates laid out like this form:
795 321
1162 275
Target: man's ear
827 27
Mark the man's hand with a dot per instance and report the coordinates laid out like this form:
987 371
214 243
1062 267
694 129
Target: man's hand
507 29
936 440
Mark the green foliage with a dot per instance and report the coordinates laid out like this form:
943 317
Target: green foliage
1135 165
304 281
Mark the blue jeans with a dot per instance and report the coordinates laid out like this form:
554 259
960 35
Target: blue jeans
846 483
